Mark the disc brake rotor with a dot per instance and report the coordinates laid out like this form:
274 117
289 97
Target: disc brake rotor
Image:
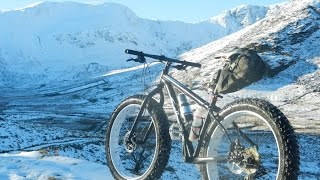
243 160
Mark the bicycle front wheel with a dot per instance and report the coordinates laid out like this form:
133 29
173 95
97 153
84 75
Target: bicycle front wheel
263 144
146 153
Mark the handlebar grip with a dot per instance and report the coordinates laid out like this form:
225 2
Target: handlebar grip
198 65
133 52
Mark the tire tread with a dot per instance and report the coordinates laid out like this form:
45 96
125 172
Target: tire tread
164 139
286 132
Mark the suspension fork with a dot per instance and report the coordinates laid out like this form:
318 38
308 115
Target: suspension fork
158 89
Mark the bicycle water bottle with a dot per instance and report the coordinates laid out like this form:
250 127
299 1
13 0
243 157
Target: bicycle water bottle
199 116
185 108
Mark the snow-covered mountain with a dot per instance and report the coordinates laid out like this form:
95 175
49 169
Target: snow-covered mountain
47 39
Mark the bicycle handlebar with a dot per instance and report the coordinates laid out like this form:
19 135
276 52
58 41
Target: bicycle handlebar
161 58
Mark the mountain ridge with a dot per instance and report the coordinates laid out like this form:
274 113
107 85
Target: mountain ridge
35 47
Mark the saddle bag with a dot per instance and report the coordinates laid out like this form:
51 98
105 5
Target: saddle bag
242 69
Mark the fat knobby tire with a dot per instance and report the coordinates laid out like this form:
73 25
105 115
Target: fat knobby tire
162 130
288 143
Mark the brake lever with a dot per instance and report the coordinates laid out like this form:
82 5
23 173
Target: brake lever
141 59
138 59
131 59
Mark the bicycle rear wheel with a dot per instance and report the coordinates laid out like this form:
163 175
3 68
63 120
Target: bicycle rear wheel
146 154
263 143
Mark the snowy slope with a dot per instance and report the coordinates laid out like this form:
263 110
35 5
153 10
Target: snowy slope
48 40
289 42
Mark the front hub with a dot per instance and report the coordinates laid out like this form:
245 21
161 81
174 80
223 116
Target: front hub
129 143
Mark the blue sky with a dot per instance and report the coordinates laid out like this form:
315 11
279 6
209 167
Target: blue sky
183 10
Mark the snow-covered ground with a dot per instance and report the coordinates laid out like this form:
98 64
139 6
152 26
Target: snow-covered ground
71 122
73 135
52 164
36 165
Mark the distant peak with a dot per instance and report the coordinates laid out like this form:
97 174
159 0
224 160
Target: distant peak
243 15
47 4
76 9
114 5
245 8
31 5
